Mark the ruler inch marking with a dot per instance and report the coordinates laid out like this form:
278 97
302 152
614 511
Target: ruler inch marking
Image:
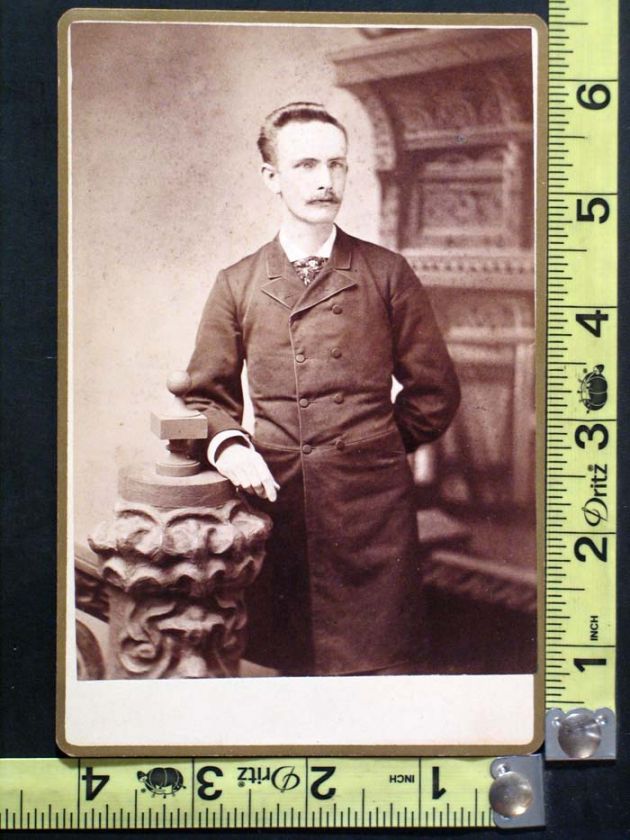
592 79
419 789
583 192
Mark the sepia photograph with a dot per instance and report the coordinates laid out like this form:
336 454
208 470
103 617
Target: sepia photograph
302 282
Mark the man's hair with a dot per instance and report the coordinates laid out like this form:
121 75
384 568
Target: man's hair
293 112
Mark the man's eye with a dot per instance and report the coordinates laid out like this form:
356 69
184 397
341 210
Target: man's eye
307 164
337 164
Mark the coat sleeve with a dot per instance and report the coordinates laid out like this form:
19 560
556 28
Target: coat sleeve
217 362
430 393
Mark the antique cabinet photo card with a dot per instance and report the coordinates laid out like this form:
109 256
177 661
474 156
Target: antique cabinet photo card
301 387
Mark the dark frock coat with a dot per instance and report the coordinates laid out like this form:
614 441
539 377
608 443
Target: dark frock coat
341 586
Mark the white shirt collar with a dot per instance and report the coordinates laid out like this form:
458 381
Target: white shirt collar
294 252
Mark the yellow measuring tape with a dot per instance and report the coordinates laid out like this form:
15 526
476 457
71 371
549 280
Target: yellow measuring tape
245 793
582 355
581 443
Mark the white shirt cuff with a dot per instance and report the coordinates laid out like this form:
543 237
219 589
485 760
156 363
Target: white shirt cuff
219 438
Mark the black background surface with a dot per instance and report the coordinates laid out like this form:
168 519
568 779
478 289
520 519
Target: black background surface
587 801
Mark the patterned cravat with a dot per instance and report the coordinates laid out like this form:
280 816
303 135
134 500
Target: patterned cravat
308 269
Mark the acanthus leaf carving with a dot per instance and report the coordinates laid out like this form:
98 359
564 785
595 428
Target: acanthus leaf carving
176 580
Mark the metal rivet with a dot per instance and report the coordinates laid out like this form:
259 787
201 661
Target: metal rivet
580 734
511 793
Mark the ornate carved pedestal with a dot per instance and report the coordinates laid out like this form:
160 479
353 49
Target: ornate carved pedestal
173 565
175 562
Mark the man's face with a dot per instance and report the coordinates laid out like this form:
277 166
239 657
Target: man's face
310 170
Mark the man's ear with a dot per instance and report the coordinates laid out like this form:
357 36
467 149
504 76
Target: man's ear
270 177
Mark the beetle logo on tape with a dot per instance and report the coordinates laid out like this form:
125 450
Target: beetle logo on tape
593 388
162 781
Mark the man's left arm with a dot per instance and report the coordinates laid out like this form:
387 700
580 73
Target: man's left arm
430 393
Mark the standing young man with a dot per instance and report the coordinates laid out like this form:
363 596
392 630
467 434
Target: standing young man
324 320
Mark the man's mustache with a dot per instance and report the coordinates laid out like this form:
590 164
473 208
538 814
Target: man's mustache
328 198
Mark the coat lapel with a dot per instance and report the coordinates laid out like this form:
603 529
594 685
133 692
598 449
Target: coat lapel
286 288
283 285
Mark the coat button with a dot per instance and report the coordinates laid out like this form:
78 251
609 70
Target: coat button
340 445
300 357
303 402
335 353
307 449
337 309
338 398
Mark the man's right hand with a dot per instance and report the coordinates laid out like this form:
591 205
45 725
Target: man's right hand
247 469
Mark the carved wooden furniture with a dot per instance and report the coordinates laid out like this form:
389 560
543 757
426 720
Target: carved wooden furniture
170 570
452 118
451 111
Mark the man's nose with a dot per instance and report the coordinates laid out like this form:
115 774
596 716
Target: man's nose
324 177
